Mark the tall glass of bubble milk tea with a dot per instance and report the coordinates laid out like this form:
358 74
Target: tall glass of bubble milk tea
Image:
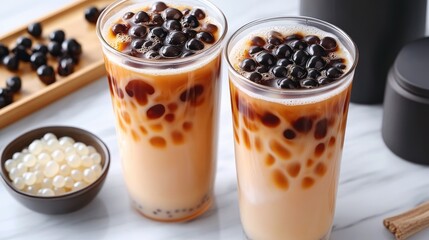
163 63
290 80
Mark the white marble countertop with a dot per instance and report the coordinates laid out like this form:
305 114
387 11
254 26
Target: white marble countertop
374 183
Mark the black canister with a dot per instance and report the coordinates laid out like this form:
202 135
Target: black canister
405 126
379 28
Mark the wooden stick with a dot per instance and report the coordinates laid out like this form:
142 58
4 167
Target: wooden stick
408 223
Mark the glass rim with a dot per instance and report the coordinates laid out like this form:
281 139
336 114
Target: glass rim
292 92
164 62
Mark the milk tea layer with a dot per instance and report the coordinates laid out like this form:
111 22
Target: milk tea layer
166 122
288 155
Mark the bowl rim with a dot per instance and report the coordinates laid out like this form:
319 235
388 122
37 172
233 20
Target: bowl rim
100 179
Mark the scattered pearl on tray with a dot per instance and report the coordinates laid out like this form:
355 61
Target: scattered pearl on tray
53 167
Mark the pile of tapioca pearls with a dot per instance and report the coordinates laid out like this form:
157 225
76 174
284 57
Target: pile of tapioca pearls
52 166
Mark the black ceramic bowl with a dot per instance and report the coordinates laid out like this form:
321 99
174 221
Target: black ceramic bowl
68 202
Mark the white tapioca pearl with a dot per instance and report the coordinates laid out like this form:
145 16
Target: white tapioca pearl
91 150
29 160
17 156
14 173
25 151
19 183
58 155
21 168
58 181
78 185
30 178
9 164
59 191
49 136
76 175
96 157
51 169
74 161
47 183
87 161
82 149
52 144
31 190
68 182
65 170
39 176
47 192
69 151
44 158
89 176
96 168
36 147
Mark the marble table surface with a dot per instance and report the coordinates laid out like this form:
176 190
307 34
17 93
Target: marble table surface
374 183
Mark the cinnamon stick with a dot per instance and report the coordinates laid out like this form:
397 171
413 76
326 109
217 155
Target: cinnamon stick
408 223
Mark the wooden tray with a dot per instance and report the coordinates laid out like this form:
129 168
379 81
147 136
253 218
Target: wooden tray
34 94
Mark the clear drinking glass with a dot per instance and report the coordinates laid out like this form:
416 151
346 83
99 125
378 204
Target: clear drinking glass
288 143
166 119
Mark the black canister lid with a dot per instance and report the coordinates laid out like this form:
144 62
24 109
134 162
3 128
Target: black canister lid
411 67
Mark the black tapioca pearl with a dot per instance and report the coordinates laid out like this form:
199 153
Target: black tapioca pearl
35 29
57 36
255 49
190 33
65 66
14 84
298 44
46 74
309 83
279 71
257 41
200 14
4 51
248 65
170 51
119 28
37 59
191 94
71 47
262 69
284 62
325 80
194 44
270 120
40 48
24 41
128 15
334 72
172 14
329 44
186 11
289 134
6 97
187 54
316 62
303 124
208 27
141 17
205 37
321 128
316 50
313 73
91 14
312 39
287 83
155 111
21 52
152 54
156 46
172 25
255 77
54 48
339 65
138 43
159 7
274 40
298 72
11 62
292 37
283 51
265 58
157 20
158 33
139 90
191 21
300 57
270 47
176 38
